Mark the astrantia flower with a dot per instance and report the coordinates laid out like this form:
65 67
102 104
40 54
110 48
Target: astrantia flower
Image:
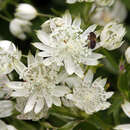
112 35
90 96
4 126
19 27
104 15
42 85
8 52
64 43
26 11
127 55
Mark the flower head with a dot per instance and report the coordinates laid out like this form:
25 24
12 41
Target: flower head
112 35
90 97
104 15
26 11
19 27
42 85
65 43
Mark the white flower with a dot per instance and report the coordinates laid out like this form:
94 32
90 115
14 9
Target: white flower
6 108
112 35
88 96
26 11
122 127
41 84
8 51
104 15
19 27
64 43
4 126
127 55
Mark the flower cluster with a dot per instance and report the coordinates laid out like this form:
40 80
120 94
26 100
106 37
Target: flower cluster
57 72
61 71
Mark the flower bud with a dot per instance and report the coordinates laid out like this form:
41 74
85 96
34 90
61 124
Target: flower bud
26 11
19 27
112 35
127 55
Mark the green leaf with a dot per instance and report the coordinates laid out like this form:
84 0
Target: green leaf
122 85
69 126
117 100
99 123
110 62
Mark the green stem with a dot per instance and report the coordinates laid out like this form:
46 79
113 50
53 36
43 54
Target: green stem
45 15
5 18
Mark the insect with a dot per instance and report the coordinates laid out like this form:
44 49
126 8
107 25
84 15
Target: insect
92 38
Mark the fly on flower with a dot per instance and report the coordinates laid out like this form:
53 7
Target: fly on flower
92 38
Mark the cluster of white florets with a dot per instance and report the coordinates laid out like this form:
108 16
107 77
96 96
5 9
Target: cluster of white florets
58 71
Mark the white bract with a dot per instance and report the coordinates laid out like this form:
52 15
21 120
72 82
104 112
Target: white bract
127 55
20 106
19 27
26 11
126 108
105 2
64 43
8 52
98 2
104 15
4 90
90 96
40 86
6 108
112 36
122 127
4 126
